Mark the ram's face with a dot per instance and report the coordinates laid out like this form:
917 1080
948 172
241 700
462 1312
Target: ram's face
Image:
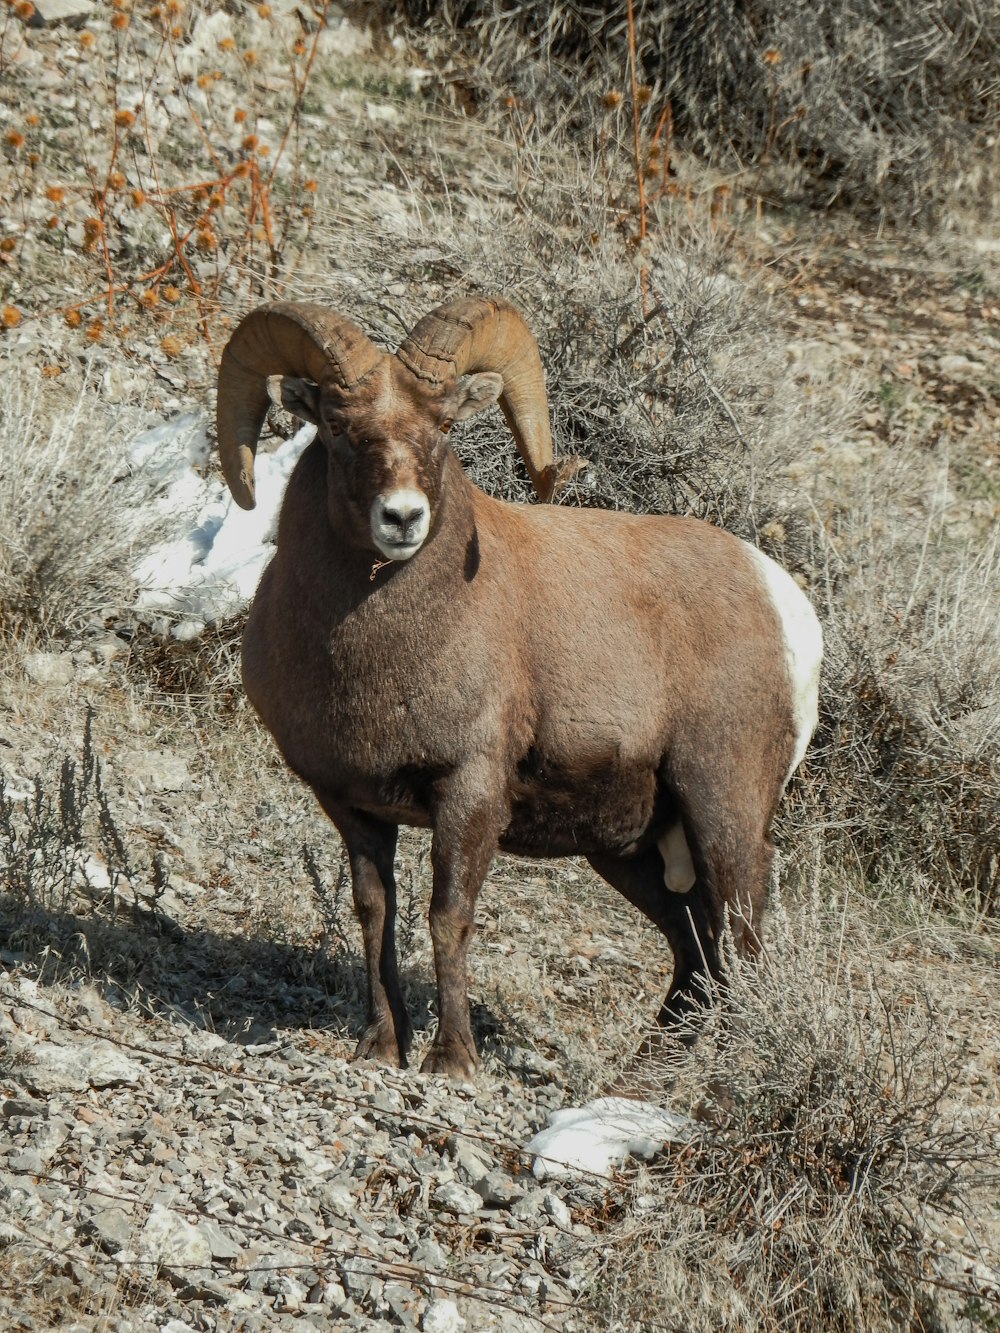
386 442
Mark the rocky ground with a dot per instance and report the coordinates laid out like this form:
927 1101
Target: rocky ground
184 1142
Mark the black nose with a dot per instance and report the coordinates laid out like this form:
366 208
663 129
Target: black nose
403 517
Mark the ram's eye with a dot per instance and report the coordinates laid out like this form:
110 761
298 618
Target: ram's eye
446 425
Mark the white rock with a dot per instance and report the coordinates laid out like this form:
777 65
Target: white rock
48 668
99 1064
74 13
442 1317
167 1239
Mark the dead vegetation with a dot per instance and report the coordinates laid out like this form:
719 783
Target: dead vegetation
727 366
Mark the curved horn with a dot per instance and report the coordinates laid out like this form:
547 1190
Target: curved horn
488 333
286 338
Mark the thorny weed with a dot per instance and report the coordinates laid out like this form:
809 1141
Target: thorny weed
188 202
61 847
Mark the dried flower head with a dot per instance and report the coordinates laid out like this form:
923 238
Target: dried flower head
250 57
55 194
15 139
227 44
73 318
171 294
33 119
87 40
207 239
311 185
119 22
240 116
124 119
299 46
8 244
95 331
643 94
205 82
52 372
10 317
171 345
612 99
116 180
264 11
138 198
149 298
250 142
772 56
34 159
24 10
52 222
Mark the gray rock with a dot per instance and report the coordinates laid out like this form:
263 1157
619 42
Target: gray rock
72 13
98 1064
429 1254
401 1301
457 1198
471 1161
174 1244
222 1244
112 1228
497 1190
554 1207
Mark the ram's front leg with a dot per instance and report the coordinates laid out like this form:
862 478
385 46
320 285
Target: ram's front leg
371 849
466 831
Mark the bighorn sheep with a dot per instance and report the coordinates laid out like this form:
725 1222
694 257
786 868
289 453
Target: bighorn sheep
549 681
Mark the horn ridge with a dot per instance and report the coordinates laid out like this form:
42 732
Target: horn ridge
283 338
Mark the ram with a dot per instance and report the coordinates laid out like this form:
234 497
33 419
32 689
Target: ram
545 680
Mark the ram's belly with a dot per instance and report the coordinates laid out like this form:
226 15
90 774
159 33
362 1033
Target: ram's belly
604 809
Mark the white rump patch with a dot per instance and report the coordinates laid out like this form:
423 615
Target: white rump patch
678 867
803 648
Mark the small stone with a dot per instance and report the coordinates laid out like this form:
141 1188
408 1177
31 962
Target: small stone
442 1317
173 1243
48 668
471 1161
112 1228
457 1198
72 13
497 1190
429 1254
557 1210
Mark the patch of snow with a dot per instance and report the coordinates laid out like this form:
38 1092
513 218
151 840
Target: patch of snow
600 1135
210 566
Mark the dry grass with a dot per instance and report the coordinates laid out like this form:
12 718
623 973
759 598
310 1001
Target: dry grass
888 110
832 1150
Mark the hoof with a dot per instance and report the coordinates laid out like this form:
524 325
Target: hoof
455 1059
379 1043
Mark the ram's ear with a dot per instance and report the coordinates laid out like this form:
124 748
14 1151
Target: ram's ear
300 397
472 393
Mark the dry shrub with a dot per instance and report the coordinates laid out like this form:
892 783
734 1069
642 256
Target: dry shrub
71 510
830 1157
908 756
889 108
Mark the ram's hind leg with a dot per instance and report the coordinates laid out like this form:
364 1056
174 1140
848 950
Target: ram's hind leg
371 849
687 919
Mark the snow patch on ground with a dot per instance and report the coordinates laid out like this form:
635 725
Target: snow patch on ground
210 565
600 1135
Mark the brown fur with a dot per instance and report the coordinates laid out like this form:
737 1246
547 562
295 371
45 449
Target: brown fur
543 680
